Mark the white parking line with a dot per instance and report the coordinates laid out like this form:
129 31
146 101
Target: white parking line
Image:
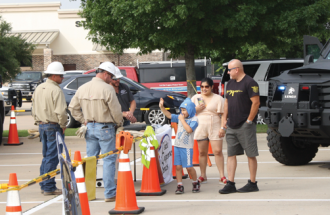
261 150
238 178
139 164
43 205
182 200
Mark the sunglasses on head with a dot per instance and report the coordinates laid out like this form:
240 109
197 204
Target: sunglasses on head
206 87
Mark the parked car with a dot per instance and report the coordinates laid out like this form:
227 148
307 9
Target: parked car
144 97
74 72
11 97
27 82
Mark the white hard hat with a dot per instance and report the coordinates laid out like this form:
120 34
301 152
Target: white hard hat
118 73
55 68
108 66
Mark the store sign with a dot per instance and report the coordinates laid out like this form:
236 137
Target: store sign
80 24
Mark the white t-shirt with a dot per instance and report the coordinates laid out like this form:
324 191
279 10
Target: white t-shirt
184 139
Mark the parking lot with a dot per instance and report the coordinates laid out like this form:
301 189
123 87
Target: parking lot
283 189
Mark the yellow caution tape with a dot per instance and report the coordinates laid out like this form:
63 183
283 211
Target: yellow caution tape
190 81
3 186
149 108
22 110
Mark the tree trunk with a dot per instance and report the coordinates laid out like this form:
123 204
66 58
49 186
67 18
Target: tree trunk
190 70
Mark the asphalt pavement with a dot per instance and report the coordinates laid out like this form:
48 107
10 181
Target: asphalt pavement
284 189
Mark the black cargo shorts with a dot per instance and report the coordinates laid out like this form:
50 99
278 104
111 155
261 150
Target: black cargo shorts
242 139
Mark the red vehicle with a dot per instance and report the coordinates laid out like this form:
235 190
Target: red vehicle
167 75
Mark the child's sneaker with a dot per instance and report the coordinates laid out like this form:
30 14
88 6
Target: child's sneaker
196 187
179 189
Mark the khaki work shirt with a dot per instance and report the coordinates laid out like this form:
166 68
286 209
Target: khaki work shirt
96 101
48 104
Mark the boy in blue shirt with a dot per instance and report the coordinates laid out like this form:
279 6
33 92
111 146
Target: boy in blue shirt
184 141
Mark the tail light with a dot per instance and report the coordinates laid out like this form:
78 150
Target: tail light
221 89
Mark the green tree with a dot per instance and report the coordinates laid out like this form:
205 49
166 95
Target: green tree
13 51
195 27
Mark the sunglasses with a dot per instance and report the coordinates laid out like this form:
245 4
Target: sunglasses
115 79
61 76
232 69
206 87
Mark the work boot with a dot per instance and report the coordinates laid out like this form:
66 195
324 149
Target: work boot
112 199
55 192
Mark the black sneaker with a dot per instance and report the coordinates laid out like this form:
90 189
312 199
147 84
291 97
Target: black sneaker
196 187
249 187
179 189
229 188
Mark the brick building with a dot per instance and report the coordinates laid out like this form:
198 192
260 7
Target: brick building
58 37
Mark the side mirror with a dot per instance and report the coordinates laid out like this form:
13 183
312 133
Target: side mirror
309 59
133 90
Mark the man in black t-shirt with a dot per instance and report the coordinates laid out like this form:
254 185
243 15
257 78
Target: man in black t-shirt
239 118
125 98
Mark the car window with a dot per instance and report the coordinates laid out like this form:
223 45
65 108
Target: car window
123 72
174 74
28 76
83 80
250 70
73 85
277 68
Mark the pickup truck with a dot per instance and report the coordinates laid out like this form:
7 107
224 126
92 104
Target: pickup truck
167 75
27 82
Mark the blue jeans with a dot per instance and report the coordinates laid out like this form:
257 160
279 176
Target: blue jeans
49 153
104 139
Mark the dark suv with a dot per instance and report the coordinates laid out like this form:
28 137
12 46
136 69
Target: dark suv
144 97
27 82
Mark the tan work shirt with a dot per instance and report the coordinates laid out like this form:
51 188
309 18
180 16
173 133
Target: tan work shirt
48 104
96 101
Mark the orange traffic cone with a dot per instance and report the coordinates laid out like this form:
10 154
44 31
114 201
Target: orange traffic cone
80 180
210 152
13 134
150 181
13 201
125 198
174 130
196 154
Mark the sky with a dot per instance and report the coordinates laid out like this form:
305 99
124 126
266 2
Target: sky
65 4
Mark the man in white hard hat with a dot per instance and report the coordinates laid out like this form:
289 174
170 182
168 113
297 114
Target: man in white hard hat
49 111
125 98
95 104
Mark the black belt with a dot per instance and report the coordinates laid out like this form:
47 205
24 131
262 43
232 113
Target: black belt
101 122
45 123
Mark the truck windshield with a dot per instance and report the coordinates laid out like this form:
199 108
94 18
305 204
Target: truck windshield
28 76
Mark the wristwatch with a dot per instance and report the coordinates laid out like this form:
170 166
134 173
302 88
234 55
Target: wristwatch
249 122
223 128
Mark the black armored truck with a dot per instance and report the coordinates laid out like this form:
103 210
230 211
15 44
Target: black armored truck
297 109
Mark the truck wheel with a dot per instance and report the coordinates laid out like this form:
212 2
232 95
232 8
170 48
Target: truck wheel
71 121
155 116
286 152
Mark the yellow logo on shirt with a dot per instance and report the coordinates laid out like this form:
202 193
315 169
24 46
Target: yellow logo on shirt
232 92
255 89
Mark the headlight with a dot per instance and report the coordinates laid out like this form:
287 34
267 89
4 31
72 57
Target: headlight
5 94
34 86
177 98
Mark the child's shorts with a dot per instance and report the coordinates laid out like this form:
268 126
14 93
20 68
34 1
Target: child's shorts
183 157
